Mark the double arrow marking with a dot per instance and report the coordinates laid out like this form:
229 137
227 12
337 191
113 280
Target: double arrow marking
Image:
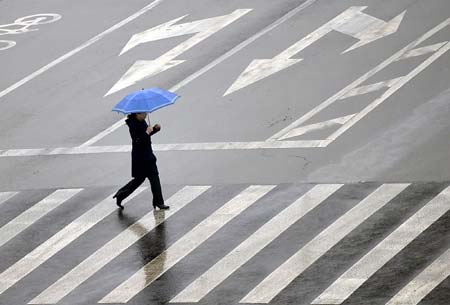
352 22
143 69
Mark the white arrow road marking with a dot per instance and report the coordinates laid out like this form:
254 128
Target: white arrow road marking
165 30
202 29
78 49
272 142
424 283
367 28
360 272
407 52
186 244
352 22
212 64
260 69
388 93
279 279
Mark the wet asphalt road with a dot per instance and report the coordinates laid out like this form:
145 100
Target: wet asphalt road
64 107
53 90
84 268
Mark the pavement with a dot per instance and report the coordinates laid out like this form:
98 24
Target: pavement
345 101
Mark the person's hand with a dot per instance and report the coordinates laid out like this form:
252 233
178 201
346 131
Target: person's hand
149 129
157 127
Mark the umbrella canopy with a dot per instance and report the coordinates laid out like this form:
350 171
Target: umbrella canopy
145 100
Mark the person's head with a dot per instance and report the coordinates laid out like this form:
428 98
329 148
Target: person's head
140 116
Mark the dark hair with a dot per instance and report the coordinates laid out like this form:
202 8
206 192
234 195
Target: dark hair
132 116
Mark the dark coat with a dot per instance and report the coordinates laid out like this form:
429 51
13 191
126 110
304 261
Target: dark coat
143 161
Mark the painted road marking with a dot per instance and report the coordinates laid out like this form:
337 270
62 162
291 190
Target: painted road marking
352 22
296 132
33 214
424 283
211 65
7 44
115 247
185 245
371 88
5 196
279 279
78 49
58 241
23 24
202 29
360 272
422 51
255 243
104 133
406 52
274 141
161 147
389 92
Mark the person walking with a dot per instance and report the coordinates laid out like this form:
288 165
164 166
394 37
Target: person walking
143 161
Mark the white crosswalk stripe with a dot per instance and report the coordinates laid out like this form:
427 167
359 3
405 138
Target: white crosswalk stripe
57 242
5 196
351 280
40 209
311 252
113 248
424 283
153 270
313 202
250 247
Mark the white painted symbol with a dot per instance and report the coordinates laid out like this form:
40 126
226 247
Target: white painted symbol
352 22
204 69
298 128
6 44
283 139
79 48
296 132
23 25
202 29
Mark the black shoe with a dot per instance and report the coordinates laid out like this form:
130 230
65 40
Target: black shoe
118 202
161 206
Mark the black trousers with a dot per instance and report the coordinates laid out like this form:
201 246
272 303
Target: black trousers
131 186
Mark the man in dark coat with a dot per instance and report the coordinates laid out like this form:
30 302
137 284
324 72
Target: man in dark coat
143 161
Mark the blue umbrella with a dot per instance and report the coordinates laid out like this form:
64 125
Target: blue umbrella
145 100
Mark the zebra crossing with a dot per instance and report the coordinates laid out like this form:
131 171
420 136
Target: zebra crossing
377 243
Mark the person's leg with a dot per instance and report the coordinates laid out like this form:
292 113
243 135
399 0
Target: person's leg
127 189
158 200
